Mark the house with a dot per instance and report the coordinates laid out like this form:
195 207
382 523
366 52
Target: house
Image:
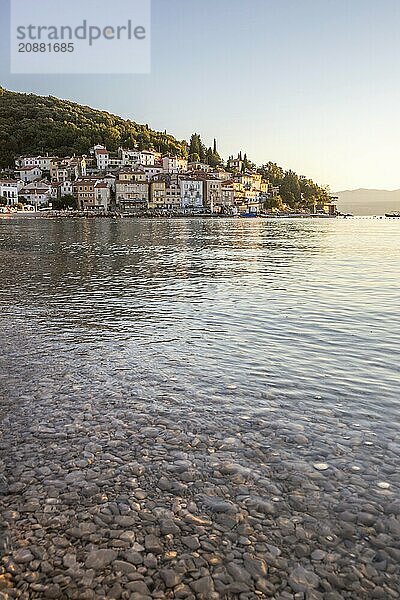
92 193
157 195
328 207
147 158
191 193
198 166
173 199
114 163
30 173
110 180
212 194
43 162
37 193
9 190
174 164
221 174
131 190
68 168
78 164
129 157
102 157
102 194
235 164
228 196
84 191
151 171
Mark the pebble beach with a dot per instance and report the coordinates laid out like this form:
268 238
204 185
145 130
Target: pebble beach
120 480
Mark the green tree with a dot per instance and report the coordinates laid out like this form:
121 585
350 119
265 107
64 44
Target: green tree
65 202
290 190
272 173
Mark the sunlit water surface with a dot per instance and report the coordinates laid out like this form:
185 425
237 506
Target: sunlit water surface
297 317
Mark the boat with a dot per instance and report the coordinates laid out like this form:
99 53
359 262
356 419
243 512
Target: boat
248 215
395 215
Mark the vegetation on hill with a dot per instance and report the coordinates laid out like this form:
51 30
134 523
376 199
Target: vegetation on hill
31 124
296 191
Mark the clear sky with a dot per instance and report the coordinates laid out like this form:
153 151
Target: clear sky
311 84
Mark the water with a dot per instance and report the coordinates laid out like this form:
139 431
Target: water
301 310
252 363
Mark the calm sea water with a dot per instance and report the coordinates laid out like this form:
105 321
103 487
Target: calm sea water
298 316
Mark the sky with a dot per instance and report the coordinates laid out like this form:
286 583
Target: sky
313 85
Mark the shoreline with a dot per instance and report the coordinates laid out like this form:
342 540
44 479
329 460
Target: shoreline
117 215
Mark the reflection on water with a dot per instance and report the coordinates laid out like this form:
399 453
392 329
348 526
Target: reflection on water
301 310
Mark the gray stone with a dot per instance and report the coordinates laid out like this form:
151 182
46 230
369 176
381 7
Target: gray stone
301 580
99 559
23 556
318 555
152 544
133 557
123 566
191 541
170 577
257 567
203 587
52 591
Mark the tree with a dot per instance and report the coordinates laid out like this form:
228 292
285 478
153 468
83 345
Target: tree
290 189
196 148
212 157
272 173
65 202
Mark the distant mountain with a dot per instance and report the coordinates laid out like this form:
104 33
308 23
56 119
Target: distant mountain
368 202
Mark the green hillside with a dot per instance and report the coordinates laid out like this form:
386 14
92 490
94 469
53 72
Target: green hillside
44 124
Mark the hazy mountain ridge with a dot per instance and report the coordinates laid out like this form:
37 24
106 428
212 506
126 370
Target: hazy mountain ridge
364 201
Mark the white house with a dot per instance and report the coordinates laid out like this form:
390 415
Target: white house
37 193
27 174
66 188
9 190
147 158
102 156
174 164
191 193
110 180
43 162
129 157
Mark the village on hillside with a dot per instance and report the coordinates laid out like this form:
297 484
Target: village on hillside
142 182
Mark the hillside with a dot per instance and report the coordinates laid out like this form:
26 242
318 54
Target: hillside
40 124
368 202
